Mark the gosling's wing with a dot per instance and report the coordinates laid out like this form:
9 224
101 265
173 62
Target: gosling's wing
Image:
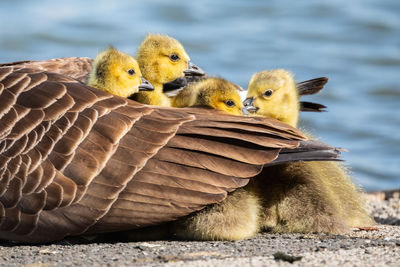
74 159
75 67
312 86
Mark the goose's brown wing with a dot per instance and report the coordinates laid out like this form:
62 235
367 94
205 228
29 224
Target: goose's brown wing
74 159
75 67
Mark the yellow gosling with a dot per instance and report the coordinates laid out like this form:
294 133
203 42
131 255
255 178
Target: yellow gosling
162 59
117 73
274 94
302 196
216 93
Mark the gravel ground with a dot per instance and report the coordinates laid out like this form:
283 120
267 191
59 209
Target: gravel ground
370 247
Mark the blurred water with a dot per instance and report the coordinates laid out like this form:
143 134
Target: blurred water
354 43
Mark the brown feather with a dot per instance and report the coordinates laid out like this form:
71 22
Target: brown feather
13 194
11 220
54 196
33 203
75 67
4 72
26 225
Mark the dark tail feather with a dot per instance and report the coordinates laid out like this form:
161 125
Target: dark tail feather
309 150
311 106
311 87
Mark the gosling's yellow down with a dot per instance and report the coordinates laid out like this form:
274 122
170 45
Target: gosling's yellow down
117 73
162 59
274 94
77 160
216 93
303 196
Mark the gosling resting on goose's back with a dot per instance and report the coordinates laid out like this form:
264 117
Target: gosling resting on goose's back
117 73
215 93
162 59
274 94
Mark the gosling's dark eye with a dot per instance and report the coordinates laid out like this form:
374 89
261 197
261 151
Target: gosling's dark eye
230 103
174 57
131 72
268 93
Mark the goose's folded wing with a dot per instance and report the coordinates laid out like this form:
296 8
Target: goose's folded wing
208 157
77 160
74 67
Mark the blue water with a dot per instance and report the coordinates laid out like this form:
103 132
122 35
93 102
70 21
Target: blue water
354 43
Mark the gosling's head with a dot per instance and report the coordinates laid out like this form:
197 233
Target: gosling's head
217 93
117 73
163 59
273 93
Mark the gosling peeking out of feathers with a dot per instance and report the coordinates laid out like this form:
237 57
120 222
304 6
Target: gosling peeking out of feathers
274 94
162 59
117 73
216 93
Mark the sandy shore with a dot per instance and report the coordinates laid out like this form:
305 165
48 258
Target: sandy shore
371 247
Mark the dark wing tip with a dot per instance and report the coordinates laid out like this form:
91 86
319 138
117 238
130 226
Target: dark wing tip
312 86
312 107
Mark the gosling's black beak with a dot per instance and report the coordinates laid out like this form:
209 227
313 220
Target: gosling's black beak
145 85
248 106
193 70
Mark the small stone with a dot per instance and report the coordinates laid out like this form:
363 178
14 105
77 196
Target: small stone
285 257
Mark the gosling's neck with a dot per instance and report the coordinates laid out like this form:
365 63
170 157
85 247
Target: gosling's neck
291 107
